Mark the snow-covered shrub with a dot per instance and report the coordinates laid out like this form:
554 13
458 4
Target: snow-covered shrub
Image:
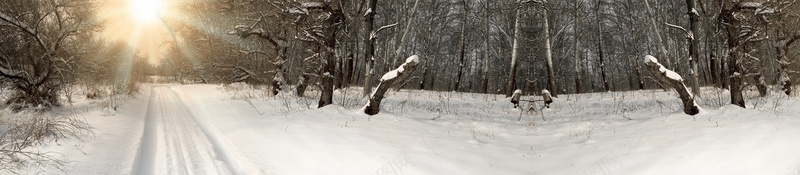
28 128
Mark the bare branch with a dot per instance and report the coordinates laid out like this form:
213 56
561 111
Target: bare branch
374 34
688 33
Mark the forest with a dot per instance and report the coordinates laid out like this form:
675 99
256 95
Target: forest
492 47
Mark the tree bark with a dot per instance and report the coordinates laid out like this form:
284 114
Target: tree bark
389 80
673 80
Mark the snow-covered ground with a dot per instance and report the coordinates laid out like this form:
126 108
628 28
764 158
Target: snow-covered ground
211 129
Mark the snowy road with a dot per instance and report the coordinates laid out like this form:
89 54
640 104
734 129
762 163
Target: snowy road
174 142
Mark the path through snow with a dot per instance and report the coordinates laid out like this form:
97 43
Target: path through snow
173 141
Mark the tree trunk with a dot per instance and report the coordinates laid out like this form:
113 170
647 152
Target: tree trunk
389 80
279 80
551 78
462 47
327 78
673 80
693 45
512 75
577 49
600 47
735 79
369 47
302 84
328 55
485 84
735 52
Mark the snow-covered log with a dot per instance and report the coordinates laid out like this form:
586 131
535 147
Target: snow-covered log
515 97
673 80
390 79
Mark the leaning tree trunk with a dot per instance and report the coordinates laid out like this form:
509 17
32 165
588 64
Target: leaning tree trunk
390 79
673 80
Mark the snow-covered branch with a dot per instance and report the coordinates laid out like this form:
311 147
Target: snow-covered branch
24 28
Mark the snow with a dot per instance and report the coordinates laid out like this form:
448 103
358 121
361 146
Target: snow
545 91
394 73
208 129
669 73
9 71
750 4
369 10
766 11
413 58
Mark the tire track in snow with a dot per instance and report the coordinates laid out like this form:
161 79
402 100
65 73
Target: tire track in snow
173 142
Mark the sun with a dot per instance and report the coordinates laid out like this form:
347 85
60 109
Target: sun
145 11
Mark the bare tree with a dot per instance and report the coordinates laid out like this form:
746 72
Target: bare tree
744 23
36 52
320 22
